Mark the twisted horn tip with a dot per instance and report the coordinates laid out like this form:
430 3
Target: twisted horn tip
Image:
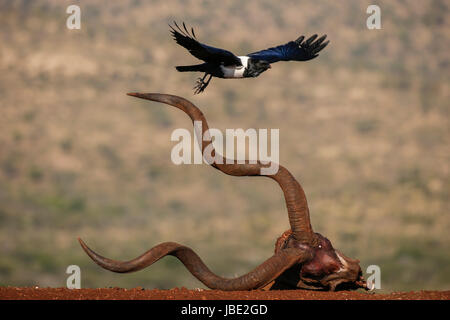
88 250
134 94
149 95
83 245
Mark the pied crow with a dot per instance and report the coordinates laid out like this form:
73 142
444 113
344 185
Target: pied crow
224 64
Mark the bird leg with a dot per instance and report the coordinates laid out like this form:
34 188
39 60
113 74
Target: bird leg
201 85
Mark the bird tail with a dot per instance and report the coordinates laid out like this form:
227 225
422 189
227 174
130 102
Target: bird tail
189 68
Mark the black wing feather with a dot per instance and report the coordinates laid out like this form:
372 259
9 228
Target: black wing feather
202 51
297 50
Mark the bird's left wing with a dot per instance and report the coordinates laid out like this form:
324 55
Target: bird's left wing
202 51
298 50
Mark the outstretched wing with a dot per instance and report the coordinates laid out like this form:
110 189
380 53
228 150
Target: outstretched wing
202 51
297 50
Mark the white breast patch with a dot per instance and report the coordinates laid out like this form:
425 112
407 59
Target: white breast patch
235 72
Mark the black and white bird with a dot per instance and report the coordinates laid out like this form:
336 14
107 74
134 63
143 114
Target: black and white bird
224 64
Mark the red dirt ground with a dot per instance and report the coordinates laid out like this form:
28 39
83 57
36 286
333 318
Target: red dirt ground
13 293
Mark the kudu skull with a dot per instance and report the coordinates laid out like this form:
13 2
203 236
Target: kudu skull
302 258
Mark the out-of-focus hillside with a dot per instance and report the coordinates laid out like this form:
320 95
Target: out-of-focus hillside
364 127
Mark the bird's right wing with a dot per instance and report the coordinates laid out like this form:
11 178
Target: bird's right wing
202 51
297 50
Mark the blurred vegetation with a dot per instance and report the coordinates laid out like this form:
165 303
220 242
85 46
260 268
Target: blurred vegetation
364 127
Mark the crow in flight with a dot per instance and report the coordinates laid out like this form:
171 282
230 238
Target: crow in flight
224 64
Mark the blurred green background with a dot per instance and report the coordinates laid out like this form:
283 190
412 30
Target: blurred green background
364 128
